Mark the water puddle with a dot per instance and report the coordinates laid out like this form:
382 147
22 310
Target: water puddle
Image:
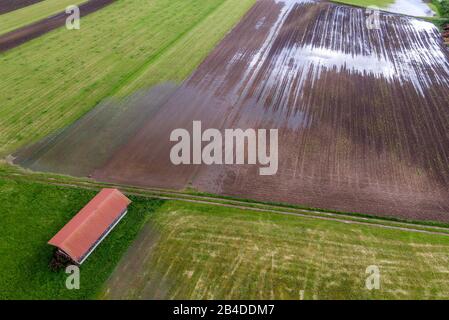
416 8
342 50
411 7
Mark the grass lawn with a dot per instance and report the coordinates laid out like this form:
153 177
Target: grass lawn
51 81
30 215
193 251
206 252
38 11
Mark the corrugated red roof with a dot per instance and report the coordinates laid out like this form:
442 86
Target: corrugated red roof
81 234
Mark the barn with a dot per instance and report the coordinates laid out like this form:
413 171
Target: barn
88 228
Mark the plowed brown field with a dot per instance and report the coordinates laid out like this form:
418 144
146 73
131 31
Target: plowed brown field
363 114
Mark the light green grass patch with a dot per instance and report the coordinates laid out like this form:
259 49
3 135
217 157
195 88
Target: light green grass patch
38 11
434 9
190 50
210 252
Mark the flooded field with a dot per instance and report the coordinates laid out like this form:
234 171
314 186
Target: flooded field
11 5
417 8
362 113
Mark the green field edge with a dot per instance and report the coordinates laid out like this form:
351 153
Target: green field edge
152 59
439 21
12 172
120 91
146 64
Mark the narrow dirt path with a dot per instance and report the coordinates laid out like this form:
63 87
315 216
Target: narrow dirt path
17 37
209 200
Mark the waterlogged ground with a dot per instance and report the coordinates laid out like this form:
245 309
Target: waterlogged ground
362 113
418 8
411 7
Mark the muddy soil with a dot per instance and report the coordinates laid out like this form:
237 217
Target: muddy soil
17 37
11 5
363 115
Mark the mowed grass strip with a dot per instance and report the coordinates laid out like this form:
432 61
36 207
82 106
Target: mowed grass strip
181 59
210 252
38 11
51 81
30 215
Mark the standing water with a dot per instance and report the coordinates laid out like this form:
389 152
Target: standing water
417 8
411 7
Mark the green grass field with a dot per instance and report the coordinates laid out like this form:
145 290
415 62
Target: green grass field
33 13
207 252
197 251
51 81
30 215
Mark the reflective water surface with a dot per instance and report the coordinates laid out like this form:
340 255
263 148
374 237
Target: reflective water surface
411 7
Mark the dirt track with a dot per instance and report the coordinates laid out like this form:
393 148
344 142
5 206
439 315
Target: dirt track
17 37
11 5
362 114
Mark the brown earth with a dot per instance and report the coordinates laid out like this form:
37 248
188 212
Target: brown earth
362 113
11 5
17 37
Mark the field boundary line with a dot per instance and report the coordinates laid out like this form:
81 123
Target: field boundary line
254 206
36 29
140 70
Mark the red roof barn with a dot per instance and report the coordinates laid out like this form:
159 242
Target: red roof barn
81 235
